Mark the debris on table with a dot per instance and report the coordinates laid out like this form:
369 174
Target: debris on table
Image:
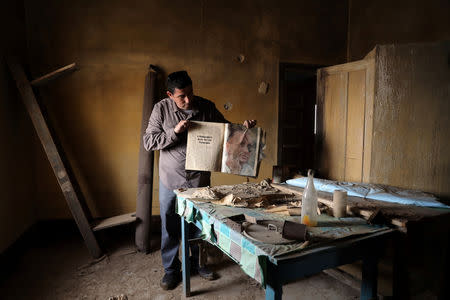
206 193
232 200
266 231
249 195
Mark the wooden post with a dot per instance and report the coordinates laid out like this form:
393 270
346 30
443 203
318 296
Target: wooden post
78 211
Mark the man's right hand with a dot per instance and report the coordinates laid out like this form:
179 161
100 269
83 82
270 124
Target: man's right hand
182 126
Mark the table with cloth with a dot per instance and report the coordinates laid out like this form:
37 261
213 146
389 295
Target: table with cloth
333 242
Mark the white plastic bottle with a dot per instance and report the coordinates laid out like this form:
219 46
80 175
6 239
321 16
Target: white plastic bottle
309 203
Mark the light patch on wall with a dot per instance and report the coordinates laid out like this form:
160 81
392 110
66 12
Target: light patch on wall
228 106
263 88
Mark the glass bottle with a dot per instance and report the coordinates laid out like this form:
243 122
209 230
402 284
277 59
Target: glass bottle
309 202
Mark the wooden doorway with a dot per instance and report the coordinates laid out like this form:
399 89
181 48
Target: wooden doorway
297 110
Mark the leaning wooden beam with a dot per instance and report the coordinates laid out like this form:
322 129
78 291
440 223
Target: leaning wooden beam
53 75
53 156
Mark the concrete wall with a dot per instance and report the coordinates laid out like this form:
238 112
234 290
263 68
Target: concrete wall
416 105
17 141
97 110
381 22
411 137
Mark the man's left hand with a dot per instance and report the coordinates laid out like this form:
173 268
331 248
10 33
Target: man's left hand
249 123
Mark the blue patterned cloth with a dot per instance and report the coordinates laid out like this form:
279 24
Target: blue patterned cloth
248 253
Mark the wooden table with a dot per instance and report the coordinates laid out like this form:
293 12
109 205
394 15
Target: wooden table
287 268
422 237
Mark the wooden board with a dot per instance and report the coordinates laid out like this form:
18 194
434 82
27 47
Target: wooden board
335 114
348 67
53 75
114 221
355 126
42 130
368 120
345 120
395 214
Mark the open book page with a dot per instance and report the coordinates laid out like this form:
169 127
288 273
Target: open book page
204 146
241 150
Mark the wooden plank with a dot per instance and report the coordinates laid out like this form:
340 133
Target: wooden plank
53 156
368 120
395 214
348 67
355 126
53 75
335 114
114 221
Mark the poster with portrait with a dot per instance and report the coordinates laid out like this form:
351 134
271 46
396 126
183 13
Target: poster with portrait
227 148
241 150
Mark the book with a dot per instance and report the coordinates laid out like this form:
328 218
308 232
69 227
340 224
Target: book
223 147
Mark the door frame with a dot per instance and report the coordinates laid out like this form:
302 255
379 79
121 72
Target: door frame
283 68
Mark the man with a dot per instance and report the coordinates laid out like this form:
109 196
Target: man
167 132
238 148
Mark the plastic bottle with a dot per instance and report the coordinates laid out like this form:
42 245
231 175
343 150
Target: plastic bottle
309 202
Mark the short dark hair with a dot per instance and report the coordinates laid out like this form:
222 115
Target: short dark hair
179 80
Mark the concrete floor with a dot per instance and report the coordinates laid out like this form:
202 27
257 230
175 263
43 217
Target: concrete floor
60 268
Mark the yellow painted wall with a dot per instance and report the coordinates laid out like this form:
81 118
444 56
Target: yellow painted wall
380 22
97 110
17 211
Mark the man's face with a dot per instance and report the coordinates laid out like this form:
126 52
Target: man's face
184 98
238 147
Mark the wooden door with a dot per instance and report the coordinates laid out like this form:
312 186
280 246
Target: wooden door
345 108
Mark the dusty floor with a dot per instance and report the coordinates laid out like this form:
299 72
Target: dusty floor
59 268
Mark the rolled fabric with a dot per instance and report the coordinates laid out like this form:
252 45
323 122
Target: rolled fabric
145 169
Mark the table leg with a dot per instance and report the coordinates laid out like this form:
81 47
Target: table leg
400 288
274 288
369 277
186 264
273 292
